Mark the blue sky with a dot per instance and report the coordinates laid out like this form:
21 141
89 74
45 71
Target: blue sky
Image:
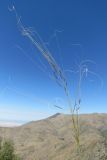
73 31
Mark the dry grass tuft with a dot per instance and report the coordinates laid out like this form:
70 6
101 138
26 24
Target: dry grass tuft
58 74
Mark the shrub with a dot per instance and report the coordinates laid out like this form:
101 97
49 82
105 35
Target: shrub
7 151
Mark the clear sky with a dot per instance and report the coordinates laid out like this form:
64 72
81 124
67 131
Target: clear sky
73 30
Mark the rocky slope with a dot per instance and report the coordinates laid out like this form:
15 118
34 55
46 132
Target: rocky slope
52 138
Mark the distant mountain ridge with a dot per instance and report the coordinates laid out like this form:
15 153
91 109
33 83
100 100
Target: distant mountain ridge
10 123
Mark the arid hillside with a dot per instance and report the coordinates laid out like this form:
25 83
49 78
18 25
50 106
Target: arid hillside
52 138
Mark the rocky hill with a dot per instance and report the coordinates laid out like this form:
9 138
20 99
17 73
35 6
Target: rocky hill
52 138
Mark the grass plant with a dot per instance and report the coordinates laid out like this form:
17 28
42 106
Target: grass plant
58 74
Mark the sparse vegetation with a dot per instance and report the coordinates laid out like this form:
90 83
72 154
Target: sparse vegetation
7 151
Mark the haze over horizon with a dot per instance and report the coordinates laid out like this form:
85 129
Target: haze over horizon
73 31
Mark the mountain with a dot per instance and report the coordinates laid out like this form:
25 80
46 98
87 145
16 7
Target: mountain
52 138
